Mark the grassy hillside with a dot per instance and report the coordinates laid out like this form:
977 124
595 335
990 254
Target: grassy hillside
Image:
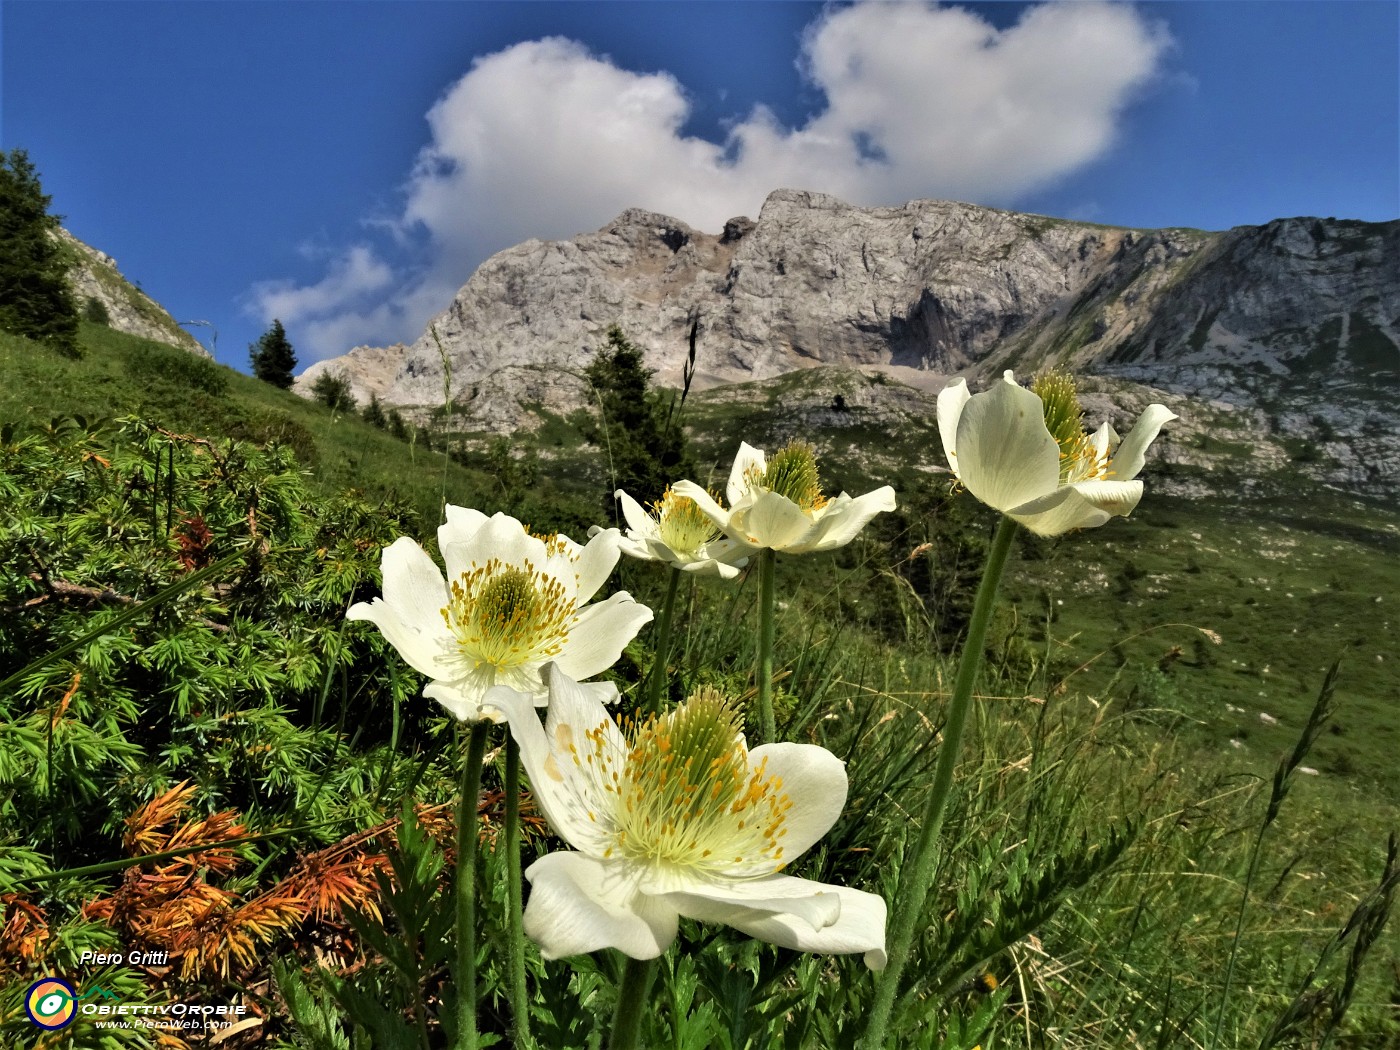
122 375
1097 848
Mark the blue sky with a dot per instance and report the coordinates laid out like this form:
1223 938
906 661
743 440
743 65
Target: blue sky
345 166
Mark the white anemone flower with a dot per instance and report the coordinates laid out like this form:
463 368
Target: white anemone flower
777 503
1026 453
511 603
680 534
679 817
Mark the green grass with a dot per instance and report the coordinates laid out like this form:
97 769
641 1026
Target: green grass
124 375
1093 740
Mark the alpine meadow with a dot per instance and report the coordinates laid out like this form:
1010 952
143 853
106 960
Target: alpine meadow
916 627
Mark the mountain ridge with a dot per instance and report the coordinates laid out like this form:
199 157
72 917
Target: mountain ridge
1299 314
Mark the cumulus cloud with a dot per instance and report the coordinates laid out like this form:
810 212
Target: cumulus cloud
547 139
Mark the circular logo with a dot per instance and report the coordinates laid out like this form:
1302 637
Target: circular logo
51 1003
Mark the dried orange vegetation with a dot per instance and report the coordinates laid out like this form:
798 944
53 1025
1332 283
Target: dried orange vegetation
174 904
24 932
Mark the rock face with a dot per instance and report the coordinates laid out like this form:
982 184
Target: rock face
1259 316
94 275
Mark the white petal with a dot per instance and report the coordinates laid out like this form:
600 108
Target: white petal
722 558
951 400
772 521
815 780
1083 505
578 904
500 537
756 908
704 501
410 613
1117 498
646 550
724 901
844 517
599 635
594 562
748 459
1132 453
1103 441
1006 457
463 699
566 792
462 524
638 520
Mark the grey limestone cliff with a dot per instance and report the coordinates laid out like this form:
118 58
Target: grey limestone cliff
1275 319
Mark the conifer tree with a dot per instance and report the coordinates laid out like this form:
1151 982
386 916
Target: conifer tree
332 389
645 439
374 412
272 357
35 297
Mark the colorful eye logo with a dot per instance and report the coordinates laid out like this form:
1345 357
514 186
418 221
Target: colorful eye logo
51 1003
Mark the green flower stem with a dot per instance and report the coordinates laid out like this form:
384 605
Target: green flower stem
467 806
520 1001
767 599
917 871
632 1004
657 681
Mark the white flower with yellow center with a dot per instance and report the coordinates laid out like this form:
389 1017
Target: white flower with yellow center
1026 453
778 503
511 603
679 533
679 817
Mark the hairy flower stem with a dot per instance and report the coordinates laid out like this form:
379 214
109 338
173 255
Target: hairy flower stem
520 1000
767 599
656 681
631 1004
467 835
917 871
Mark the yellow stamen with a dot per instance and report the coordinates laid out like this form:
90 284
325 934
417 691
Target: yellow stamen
792 472
1064 418
687 796
505 615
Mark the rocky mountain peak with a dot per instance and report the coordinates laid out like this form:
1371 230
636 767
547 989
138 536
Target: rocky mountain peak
927 288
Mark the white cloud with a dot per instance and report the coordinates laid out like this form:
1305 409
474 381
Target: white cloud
354 274
546 139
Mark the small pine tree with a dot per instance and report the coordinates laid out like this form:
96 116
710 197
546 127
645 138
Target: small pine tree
646 440
374 412
397 426
35 297
273 358
332 389
95 310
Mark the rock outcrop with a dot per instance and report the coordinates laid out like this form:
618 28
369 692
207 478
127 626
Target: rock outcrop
1274 318
94 275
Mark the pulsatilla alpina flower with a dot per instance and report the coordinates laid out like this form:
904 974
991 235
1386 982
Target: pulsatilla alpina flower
777 503
1026 453
512 602
678 817
679 533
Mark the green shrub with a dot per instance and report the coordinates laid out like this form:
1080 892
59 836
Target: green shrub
95 311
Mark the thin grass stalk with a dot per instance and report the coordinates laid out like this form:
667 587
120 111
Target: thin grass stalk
632 997
917 872
467 806
657 679
515 894
1283 776
767 599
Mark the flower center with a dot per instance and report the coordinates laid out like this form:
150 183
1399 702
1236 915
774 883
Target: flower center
505 615
792 472
687 797
1064 418
681 523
